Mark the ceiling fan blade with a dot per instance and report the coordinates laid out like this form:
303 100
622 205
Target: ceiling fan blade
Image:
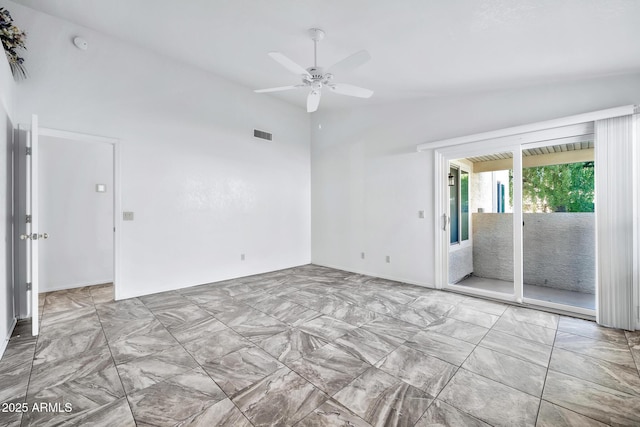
350 90
277 89
313 100
288 64
350 62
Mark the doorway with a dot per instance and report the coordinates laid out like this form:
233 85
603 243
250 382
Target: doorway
529 207
76 199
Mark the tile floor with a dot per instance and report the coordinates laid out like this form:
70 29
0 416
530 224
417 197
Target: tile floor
312 346
542 293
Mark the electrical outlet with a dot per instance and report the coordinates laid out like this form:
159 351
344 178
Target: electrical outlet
241 257
362 255
421 214
388 258
127 216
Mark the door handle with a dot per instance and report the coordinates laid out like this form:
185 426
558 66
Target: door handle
34 236
445 221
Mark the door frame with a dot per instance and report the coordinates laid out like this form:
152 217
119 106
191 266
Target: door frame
117 203
509 139
115 143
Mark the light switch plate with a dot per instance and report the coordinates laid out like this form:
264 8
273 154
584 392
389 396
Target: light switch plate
101 188
127 216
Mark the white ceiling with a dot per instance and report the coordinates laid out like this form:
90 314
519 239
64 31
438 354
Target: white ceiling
420 48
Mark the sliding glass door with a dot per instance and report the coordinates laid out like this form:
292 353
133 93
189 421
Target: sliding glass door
480 250
559 247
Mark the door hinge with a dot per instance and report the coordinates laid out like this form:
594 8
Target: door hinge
28 286
28 219
28 151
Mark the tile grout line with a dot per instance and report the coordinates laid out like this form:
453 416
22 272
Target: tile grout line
113 360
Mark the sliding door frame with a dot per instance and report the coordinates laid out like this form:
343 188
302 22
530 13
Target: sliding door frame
510 139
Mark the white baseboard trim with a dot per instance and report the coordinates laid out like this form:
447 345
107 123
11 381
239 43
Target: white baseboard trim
5 342
367 273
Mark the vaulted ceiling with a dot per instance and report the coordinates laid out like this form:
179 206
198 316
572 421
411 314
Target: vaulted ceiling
419 48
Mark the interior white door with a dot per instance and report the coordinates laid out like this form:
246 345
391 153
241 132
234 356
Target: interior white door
31 235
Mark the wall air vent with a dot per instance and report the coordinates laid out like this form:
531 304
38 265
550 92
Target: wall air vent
262 134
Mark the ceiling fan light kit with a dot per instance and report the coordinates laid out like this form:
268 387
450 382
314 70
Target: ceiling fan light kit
315 79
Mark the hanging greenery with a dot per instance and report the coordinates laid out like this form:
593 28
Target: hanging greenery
12 40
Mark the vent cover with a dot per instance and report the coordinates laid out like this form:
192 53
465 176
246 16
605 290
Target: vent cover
262 134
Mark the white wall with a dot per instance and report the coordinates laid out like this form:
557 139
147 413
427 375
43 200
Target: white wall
202 188
79 220
368 181
7 88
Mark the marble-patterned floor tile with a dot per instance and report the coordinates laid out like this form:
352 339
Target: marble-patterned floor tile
176 399
329 368
389 326
326 327
511 326
170 299
506 406
282 398
69 322
368 346
289 312
11 419
291 344
551 415
143 372
441 414
128 309
633 339
350 313
216 345
443 347
257 326
591 329
240 369
53 347
469 315
198 329
14 380
102 293
394 296
418 369
433 305
510 345
517 373
63 301
87 382
145 340
457 329
536 317
223 413
486 306
415 315
384 400
116 413
609 351
608 374
592 400
179 316
332 414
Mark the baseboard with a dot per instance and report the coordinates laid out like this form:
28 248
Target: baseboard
367 273
5 342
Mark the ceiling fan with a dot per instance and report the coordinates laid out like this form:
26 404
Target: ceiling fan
315 78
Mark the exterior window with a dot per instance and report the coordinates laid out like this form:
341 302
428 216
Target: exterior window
459 206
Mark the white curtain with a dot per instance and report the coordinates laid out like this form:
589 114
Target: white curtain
616 192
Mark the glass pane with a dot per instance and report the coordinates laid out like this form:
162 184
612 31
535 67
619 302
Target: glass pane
484 259
464 205
559 224
453 206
